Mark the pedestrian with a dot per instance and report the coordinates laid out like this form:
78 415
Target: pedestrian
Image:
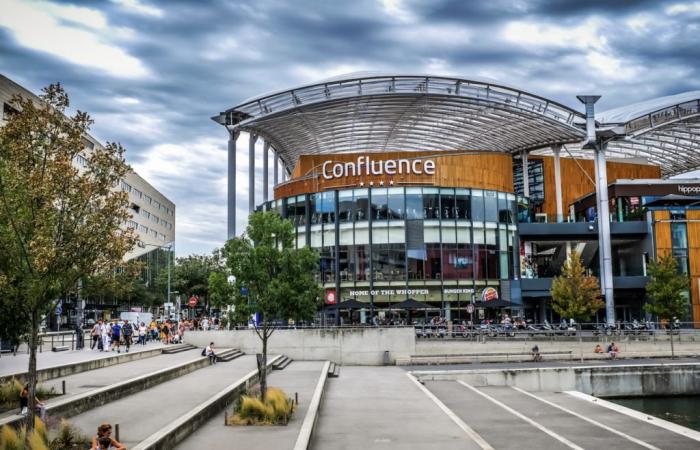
205 324
95 335
79 336
116 335
613 350
105 431
154 330
209 351
142 334
127 332
106 333
165 333
24 403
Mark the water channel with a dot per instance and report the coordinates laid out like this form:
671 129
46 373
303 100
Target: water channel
683 410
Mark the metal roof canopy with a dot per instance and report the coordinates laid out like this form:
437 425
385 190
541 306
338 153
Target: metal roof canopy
378 112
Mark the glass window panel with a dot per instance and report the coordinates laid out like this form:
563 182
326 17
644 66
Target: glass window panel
447 203
346 234
432 266
490 206
316 236
448 232
490 237
397 209
431 231
478 234
329 237
414 203
679 235
502 240
416 263
361 200
462 210
361 256
477 205
380 204
361 233
463 234
431 203
346 207
504 265
397 232
380 232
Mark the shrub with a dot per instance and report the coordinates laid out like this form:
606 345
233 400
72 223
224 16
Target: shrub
67 438
276 410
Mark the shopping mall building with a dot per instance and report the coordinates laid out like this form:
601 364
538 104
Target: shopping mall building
468 195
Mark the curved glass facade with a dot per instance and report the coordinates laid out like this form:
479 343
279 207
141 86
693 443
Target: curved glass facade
384 245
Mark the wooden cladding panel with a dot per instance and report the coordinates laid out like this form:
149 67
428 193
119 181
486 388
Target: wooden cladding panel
575 183
662 232
693 225
493 171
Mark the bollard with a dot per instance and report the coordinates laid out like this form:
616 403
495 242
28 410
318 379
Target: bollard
63 387
296 398
225 417
116 432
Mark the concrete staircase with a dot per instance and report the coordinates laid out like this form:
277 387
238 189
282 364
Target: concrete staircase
177 348
282 362
333 370
229 355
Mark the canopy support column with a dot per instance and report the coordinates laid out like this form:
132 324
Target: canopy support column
266 153
231 197
277 168
251 172
556 149
601 187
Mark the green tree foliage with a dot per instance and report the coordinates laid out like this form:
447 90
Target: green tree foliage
575 294
666 289
58 224
190 275
278 279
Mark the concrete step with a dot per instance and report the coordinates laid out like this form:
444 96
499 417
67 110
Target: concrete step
71 405
60 348
177 348
230 355
333 370
281 363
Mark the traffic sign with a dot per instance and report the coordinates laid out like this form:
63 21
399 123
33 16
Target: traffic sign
470 308
193 301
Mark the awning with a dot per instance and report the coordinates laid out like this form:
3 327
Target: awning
348 304
493 304
673 200
410 304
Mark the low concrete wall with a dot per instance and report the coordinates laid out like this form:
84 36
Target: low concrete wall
352 346
608 381
629 347
50 373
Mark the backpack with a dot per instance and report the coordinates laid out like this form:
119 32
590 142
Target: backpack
204 351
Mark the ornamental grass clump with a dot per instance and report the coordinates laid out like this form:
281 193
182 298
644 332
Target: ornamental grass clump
276 410
10 390
67 438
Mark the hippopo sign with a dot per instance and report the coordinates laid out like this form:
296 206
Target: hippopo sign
365 166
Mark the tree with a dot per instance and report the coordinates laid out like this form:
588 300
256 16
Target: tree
57 223
190 275
576 295
272 278
666 290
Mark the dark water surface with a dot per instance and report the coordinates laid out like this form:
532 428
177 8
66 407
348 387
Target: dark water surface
683 410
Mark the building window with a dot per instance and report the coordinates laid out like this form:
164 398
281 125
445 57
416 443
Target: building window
137 193
147 199
81 161
126 187
143 229
131 224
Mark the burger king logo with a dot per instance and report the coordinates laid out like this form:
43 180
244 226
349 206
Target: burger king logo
489 294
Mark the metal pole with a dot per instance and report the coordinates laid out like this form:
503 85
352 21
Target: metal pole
557 182
251 172
231 203
266 152
601 182
277 169
169 257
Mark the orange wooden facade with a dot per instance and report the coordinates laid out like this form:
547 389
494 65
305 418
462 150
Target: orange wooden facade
693 217
493 171
576 184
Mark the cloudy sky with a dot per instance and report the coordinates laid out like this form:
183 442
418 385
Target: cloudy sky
153 73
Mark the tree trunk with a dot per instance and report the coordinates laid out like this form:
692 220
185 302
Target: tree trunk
263 369
671 336
31 371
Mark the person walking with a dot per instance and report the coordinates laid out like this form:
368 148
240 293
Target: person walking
142 334
127 333
106 332
95 335
116 335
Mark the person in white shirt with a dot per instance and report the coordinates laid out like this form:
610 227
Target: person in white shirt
106 329
205 324
142 333
209 351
